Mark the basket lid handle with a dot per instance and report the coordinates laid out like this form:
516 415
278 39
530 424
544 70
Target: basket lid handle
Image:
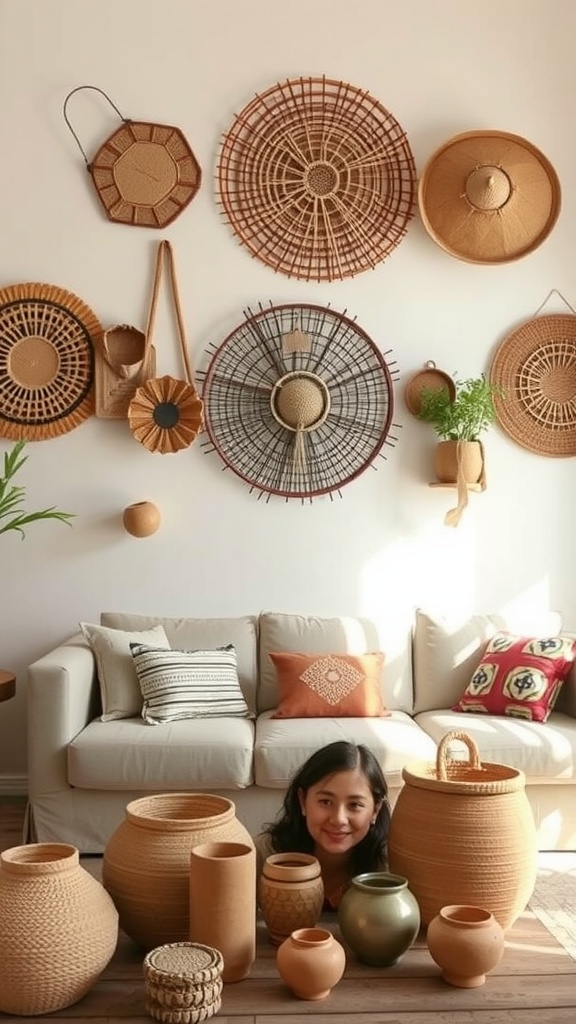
442 752
67 119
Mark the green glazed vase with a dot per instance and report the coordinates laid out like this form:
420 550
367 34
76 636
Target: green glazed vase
379 917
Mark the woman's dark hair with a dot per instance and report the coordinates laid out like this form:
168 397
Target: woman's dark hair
289 833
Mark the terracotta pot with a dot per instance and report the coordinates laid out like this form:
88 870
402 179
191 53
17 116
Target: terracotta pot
290 893
223 904
379 917
452 456
141 519
146 863
466 942
311 962
58 929
464 832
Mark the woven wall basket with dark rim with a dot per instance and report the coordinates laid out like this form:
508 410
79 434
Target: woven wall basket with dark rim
298 401
535 366
47 341
317 179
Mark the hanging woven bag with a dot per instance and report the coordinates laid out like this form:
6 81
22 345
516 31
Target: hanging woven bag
166 413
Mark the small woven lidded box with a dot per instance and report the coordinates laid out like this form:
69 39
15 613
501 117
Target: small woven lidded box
183 982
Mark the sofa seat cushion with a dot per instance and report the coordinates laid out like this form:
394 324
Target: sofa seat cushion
544 752
189 754
283 744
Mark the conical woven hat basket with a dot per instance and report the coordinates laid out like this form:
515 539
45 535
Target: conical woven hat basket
463 832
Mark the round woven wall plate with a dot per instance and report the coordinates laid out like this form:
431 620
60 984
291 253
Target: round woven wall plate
488 197
536 368
298 401
432 379
47 339
317 179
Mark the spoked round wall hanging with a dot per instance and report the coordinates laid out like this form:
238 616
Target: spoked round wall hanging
317 179
298 401
47 339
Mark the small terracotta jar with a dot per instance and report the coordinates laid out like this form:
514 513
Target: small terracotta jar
290 893
311 962
466 942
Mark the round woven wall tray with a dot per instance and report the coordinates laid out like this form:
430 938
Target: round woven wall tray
317 179
47 339
488 197
298 401
432 379
536 368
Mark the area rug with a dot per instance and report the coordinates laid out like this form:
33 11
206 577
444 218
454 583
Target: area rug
553 901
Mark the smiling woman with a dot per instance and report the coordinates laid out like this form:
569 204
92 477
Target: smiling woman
336 809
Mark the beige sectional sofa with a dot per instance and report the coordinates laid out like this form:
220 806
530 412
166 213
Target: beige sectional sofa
83 771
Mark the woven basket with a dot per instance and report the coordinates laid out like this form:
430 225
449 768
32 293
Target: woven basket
463 832
146 864
183 982
58 929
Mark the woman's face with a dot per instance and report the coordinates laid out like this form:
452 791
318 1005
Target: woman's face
339 810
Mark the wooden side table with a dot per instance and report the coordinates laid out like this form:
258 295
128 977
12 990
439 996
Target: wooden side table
7 685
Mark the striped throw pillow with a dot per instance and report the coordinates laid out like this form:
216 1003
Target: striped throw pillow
188 684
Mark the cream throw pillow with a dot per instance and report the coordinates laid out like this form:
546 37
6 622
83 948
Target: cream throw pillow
119 687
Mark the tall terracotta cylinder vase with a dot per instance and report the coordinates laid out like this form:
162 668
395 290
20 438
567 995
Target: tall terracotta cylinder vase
146 864
58 929
223 904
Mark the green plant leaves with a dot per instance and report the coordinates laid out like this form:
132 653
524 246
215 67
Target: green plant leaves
467 416
13 516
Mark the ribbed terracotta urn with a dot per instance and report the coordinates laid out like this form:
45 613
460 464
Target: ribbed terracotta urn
146 863
290 893
58 929
462 831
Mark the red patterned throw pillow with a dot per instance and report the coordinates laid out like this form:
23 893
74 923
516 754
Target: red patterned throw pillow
329 685
519 677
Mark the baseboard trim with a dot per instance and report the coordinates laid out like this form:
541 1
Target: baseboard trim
13 785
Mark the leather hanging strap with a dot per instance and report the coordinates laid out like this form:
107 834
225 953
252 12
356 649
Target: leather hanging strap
165 251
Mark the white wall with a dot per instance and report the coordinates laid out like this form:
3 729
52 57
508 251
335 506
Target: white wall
441 67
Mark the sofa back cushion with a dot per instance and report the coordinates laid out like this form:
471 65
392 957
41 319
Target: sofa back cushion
310 634
446 652
193 634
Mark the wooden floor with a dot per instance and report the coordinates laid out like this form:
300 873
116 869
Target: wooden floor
535 982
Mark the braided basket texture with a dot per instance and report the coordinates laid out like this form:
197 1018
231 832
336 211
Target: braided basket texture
463 832
183 982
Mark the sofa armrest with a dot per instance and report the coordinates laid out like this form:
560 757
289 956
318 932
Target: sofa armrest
62 697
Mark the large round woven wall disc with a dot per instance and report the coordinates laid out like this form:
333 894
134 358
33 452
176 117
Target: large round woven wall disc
317 179
535 367
298 401
47 340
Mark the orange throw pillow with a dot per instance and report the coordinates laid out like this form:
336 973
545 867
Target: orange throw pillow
329 685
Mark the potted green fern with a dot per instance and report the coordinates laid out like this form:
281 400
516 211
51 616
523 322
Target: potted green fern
460 421
13 515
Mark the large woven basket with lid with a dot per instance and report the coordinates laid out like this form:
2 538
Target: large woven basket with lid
463 832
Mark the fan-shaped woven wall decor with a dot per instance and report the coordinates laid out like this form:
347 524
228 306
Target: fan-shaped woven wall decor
47 339
317 179
535 367
298 401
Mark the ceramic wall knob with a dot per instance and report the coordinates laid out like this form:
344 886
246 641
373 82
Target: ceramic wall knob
141 519
311 962
466 942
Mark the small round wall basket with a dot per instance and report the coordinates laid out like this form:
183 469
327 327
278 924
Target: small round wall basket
47 339
535 367
298 401
317 179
